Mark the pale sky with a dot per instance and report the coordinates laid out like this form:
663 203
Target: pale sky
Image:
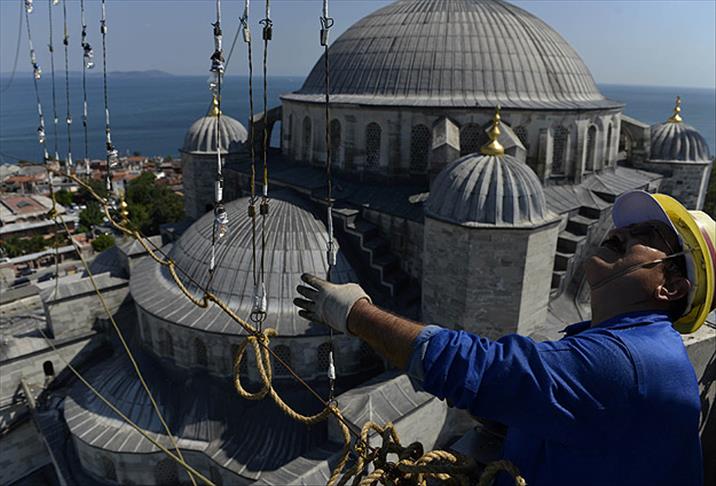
660 43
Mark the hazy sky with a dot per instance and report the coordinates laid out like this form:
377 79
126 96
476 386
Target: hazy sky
663 43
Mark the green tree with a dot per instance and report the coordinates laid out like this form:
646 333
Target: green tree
102 242
83 196
63 197
710 202
91 216
152 204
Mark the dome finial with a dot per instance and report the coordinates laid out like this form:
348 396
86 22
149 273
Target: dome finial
493 147
676 116
215 111
123 210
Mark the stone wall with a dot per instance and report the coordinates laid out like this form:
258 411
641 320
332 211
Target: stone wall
307 355
21 452
488 281
536 128
405 238
199 172
685 181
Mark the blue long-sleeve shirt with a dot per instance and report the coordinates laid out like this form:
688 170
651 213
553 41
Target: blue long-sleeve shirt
613 404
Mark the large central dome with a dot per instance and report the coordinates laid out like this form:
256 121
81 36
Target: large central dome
454 53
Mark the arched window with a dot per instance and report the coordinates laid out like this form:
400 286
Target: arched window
608 156
591 148
283 352
521 133
48 368
165 473
470 139
559 149
166 343
420 139
323 356
307 149
336 141
107 466
372 145
200 355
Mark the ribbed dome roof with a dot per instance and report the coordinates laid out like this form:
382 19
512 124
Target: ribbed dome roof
201 137
678 141
458 53
478 190
296 244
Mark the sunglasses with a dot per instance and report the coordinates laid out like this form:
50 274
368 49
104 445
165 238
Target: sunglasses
645 234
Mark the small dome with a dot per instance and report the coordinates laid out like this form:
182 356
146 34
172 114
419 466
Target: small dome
479 190
201 137
678 141
296 243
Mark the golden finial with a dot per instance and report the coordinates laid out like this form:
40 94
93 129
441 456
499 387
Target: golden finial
215 111
493 147
123 210
676 116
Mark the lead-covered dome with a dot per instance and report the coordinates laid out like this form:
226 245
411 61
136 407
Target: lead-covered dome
488 190
296 243
460 53
678 141
201 136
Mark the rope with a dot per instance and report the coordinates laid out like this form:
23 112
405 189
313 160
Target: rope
68 118
55 120
135 365
190 470
112 153
17 52
87 63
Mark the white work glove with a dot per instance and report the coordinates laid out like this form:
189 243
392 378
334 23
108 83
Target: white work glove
328 303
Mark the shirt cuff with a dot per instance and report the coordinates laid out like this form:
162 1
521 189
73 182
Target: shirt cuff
420 347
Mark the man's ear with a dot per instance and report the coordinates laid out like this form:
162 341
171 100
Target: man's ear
672 290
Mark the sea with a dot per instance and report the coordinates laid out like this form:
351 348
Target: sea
151 112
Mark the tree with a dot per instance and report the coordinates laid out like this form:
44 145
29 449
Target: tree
63 197
83 196
92 216
710 203
102 242
151 204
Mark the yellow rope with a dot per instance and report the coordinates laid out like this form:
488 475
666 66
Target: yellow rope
190 470
124 343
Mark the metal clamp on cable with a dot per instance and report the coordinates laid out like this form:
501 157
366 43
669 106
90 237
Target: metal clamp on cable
264 207
268 28
326 24
221 219
260 304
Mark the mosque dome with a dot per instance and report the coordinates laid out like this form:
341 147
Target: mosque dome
296 244
457 53
479 190
201 136
675 140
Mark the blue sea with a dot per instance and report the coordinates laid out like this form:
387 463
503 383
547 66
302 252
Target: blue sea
150 113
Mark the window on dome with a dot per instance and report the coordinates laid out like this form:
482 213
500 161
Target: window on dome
591 148
608 157
48 368
372 145
306 150
324 351
470 140
420 139
521 133
336 143
165 473
166 343
107 466
200 354
559 150
146 330
283 352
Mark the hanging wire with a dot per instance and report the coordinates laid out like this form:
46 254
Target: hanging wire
87 63
17 52
68 118
36 74
111 152
51 47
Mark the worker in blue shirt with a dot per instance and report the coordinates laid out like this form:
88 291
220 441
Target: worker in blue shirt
616 400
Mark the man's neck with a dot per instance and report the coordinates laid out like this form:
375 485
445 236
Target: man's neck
602 313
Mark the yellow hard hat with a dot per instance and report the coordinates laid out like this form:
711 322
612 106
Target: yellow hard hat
697 232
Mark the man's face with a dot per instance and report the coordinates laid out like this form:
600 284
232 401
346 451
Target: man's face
628 247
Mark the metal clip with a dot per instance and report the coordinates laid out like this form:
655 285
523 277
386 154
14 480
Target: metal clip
331 367
222 220
28 6
268 28
41 134
264 208
252 210
326 24
260 305
88 56
219 190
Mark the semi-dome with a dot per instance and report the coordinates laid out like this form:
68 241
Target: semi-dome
296 243
201 137
678 141
459 53
488 190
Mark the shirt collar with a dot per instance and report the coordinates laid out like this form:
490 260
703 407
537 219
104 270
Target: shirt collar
623 320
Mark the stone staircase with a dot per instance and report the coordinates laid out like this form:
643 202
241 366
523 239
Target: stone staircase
570 243
380 266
